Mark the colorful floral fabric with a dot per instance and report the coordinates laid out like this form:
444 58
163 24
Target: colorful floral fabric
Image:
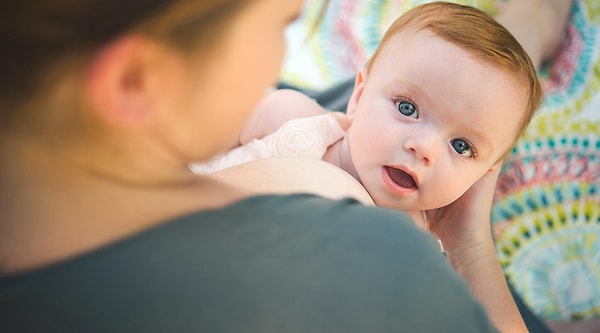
546 219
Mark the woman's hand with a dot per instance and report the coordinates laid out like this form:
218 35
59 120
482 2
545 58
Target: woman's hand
464 225
464 229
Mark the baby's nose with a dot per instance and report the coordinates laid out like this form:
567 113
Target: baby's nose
424 145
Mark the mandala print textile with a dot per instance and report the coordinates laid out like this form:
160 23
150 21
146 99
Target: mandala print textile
546 215
546 218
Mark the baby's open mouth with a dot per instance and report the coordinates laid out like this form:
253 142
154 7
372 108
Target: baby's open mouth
401 178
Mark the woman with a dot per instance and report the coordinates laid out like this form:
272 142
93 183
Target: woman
104 228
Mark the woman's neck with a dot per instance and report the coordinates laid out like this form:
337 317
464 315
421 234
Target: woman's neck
54 207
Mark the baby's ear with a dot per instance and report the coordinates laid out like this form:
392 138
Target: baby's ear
359 86
117 82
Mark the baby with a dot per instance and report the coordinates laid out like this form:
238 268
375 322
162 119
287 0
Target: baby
439 104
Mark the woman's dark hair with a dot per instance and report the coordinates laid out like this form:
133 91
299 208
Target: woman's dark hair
35 34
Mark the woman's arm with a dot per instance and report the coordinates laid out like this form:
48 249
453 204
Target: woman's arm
465 231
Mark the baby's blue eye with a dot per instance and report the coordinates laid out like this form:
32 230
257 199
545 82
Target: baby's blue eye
462 147
407 108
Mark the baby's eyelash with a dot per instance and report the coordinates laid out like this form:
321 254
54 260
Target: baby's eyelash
474 153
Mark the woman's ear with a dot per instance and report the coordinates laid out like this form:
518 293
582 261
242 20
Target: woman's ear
359 86
118 82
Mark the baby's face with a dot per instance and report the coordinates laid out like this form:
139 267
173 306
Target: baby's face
429 120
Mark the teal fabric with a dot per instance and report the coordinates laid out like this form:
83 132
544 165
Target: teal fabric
295 263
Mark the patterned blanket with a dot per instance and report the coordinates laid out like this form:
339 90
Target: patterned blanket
546 216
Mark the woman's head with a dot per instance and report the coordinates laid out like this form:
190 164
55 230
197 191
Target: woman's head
480 35
213 57
36 34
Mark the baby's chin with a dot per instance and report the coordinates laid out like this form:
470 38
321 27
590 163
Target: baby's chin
408 205
402 204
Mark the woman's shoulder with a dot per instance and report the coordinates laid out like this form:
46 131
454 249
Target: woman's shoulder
285 175
256 253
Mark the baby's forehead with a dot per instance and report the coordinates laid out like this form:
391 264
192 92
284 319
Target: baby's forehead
451 79
425 44
416 40
489 55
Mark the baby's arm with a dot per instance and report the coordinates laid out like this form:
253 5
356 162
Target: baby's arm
307 137
539 25
277 108
286 123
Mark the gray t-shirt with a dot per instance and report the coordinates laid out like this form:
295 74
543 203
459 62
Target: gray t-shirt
296 263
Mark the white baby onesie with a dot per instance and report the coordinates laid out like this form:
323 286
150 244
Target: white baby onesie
303 137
